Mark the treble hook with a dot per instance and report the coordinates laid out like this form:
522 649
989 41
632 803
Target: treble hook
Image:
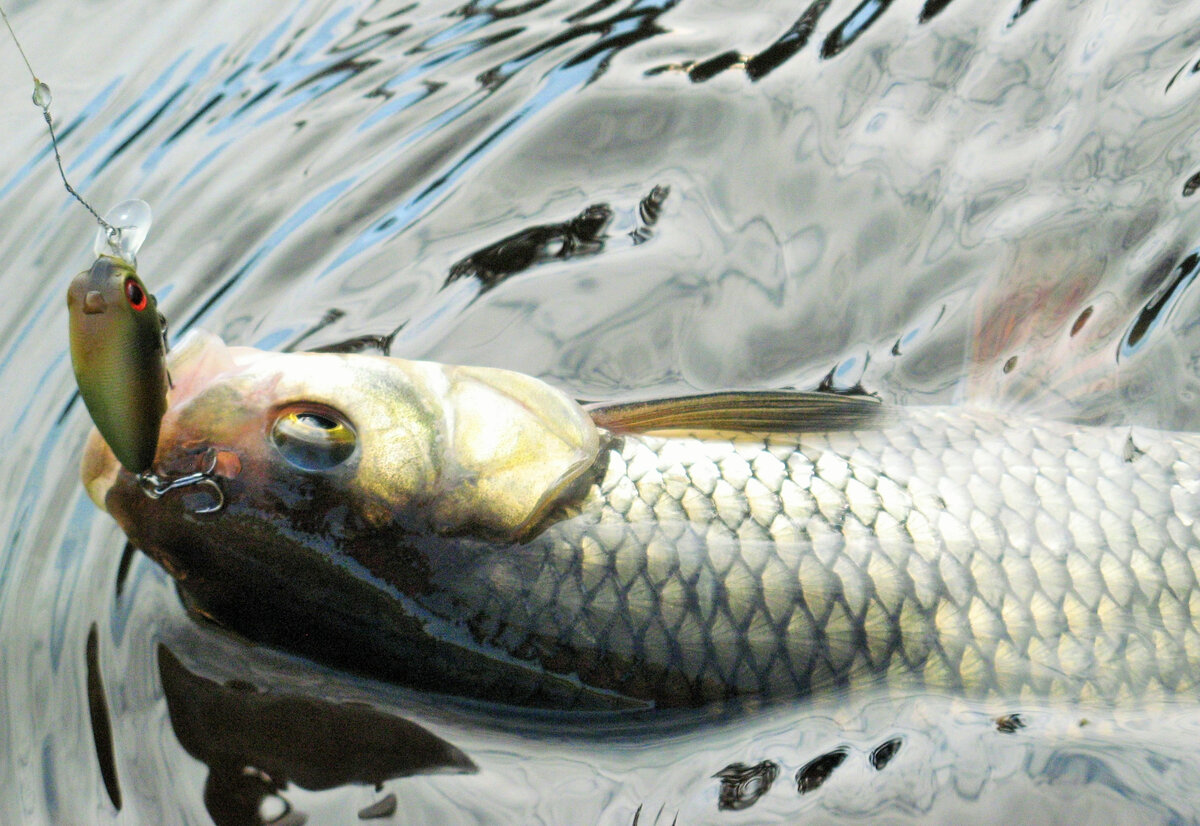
156 487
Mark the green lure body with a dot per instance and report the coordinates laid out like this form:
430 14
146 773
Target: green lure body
119 357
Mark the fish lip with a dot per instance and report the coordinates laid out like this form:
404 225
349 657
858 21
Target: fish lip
193 362
99 469
196 359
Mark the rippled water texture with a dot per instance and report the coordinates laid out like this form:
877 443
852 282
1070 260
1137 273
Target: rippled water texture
933 199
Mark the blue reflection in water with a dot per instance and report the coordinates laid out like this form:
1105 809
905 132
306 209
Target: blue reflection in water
296 220
32 490
68 564
102 138
236 83
269 79
321 37
202 164
567 76
848 30
275 339
392 107
1160 305
404 215
407 212
195 77
262 50
93 106
49 789
35 321
862 17
466 26
399 104
308 82
291 75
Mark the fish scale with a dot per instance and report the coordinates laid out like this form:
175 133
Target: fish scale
948 551
485 539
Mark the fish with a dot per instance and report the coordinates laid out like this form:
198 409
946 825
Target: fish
477 533
118 354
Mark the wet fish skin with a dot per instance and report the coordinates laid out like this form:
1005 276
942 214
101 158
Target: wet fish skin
950 550
933 548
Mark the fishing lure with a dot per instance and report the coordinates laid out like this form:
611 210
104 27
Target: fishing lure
118 352
118 337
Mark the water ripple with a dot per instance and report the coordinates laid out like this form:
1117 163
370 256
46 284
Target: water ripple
929 200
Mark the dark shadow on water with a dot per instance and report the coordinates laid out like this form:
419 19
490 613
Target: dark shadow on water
492 265
849 30
932 9
101 724
813 774
257 743
124 566
1156 310
788 44
582 235
1021 9
882 754
792 41
761 64
743 785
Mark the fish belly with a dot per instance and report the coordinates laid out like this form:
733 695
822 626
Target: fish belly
947 551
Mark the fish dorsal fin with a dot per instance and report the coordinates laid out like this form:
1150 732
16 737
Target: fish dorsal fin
773 411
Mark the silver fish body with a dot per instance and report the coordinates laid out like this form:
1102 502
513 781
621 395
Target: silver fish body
950 550
474 532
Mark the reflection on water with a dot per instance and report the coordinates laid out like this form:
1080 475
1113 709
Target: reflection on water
924 758
932 201
1158 308
585 234
742 785
101 725
255 744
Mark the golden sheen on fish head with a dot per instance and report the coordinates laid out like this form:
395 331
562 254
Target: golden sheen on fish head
117 354
347 482
332 447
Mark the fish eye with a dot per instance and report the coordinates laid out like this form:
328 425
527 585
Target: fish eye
313 439
135 294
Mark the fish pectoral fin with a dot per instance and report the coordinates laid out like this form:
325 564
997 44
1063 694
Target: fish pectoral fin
775 411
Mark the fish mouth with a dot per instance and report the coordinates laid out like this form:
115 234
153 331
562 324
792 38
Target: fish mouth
193 363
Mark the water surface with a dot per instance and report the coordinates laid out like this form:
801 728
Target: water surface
937 201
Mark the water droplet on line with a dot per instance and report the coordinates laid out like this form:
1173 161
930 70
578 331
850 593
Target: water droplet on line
41 95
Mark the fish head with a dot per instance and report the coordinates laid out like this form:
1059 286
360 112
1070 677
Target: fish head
313 452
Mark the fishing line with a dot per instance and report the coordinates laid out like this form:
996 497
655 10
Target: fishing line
41 99
141 372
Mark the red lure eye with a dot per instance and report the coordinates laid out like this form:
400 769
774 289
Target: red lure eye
135 294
